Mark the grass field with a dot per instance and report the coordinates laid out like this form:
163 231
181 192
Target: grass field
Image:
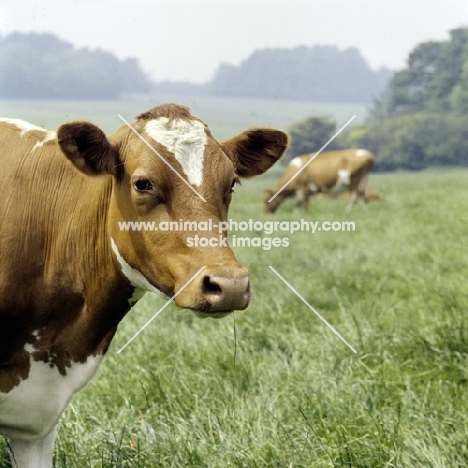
225 116
272 386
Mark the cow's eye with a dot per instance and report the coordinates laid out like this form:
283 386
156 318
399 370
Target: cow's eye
143 185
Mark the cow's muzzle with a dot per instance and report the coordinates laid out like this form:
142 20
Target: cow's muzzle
217 292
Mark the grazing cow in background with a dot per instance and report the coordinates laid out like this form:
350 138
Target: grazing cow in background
69 274
329 171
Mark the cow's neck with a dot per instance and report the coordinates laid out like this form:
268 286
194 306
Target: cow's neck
80 277
106 292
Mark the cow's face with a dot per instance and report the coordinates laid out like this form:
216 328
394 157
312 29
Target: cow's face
174 181
272 206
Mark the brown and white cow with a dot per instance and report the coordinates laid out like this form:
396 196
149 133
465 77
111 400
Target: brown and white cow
329 171
69 274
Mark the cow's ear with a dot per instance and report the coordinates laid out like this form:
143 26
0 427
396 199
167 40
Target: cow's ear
88 148
254 151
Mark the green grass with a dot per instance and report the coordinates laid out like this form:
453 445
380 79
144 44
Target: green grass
272 386
225 116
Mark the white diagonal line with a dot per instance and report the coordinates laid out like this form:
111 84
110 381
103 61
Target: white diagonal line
160 310
160 157
313 310
313 157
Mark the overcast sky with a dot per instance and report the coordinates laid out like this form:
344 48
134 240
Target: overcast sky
188 39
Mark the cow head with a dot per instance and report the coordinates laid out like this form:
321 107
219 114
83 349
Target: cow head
168 168
272 206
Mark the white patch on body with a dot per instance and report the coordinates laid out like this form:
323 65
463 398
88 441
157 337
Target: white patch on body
312 187
36 453
343 180
186 139
296 162
361 152
137 279
344 177
32 409
22 125
25 127
50 136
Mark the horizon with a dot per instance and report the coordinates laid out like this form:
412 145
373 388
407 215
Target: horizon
187 40
279 48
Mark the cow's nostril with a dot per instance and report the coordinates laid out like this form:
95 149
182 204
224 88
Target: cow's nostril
225 293
211 287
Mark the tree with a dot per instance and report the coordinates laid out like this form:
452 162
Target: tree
459 96
319 73
421 119
309 135
416 141
448 70
433 81
43 66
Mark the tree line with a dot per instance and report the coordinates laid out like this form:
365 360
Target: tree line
319 73
420 120
44 66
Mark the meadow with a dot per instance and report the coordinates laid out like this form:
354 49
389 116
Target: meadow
225 116
272 386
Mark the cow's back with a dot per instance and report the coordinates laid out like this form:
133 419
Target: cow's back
323 169
289 179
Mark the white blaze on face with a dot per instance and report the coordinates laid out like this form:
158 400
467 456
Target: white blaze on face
186 139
